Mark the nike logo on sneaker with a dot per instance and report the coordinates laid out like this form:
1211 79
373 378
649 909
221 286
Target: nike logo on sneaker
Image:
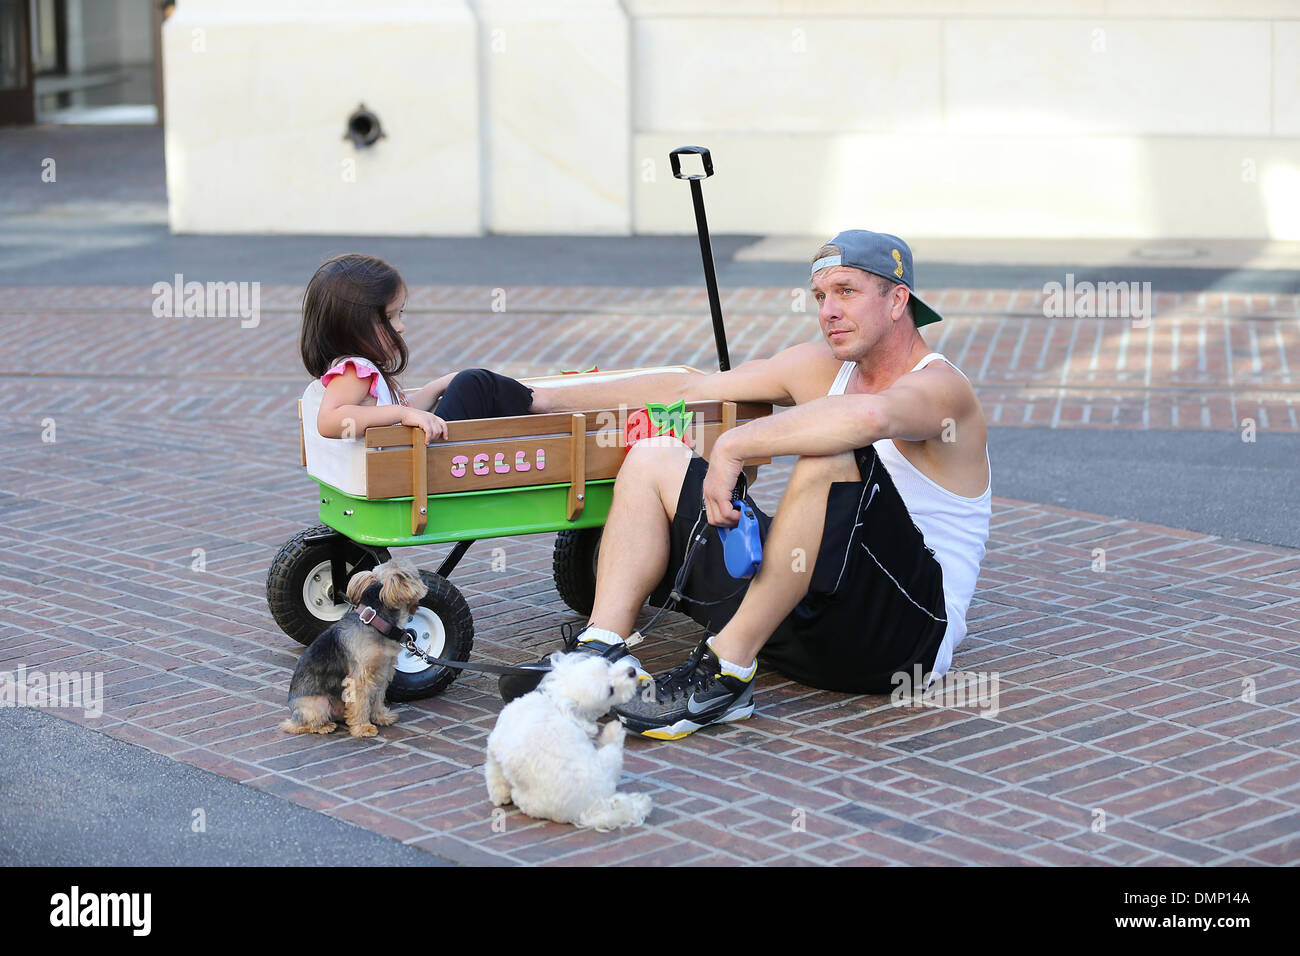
695 709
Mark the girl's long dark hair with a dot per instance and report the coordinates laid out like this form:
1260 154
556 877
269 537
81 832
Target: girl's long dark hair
345 312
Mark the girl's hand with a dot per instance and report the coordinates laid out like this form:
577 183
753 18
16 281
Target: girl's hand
434 427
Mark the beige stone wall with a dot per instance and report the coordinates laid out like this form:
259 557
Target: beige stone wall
258 96
1066 118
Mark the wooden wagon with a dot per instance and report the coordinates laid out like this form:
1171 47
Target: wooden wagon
489 478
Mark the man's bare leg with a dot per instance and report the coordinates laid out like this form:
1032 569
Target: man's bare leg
795 529
634 544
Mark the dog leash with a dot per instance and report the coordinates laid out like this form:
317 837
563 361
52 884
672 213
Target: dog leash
516 669
368 613
675 596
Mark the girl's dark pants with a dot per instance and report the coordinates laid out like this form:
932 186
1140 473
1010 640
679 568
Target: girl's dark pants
481 393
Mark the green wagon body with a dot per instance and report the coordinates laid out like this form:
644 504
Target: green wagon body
466 515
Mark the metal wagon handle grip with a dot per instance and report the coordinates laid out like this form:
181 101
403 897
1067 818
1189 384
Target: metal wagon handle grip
701 151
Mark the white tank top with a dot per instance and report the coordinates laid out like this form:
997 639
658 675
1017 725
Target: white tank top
955 528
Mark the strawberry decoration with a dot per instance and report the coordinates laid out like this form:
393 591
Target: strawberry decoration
656 419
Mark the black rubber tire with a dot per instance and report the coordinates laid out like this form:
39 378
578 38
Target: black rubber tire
447 602
574 567
288 573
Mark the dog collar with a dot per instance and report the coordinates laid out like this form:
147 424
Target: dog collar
369 613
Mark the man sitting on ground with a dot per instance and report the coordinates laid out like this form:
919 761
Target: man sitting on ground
891 492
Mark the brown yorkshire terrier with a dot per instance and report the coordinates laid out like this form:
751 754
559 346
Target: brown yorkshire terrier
346 671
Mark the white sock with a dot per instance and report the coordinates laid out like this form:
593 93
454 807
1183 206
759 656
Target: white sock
602 635
732 669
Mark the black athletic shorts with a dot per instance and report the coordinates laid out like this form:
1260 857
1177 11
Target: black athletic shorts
874 605
482 393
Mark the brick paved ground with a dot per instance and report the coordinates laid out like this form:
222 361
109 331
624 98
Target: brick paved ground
1160 692
1206 361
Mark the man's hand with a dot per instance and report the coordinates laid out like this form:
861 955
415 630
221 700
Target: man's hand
719 483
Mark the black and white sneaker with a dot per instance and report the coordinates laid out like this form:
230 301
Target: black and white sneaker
690 697
516 685
574 644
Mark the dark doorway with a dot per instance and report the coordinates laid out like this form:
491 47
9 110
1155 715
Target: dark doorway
96 61
17 99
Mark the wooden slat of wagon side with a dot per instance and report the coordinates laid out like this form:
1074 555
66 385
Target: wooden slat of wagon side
520 426
419 472
480 429
577 466
388 472
389 466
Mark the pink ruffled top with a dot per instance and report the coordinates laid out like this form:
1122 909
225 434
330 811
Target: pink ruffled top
364 368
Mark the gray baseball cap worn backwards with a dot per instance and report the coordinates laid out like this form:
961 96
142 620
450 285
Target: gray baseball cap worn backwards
882 255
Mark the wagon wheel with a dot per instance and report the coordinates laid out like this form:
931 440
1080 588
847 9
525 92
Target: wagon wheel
443 627
300 584
574 567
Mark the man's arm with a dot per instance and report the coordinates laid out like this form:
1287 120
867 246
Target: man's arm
636 390
758 380
915 408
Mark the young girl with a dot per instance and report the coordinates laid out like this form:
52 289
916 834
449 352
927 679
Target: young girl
352 341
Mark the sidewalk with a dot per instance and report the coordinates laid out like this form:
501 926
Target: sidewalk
103 221
1207 361
1147 713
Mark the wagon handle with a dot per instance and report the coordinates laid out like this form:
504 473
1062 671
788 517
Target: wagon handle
706 246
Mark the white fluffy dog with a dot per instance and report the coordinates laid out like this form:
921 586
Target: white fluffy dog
550 758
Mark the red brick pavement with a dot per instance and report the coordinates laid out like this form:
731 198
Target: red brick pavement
1205 361
1145 714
